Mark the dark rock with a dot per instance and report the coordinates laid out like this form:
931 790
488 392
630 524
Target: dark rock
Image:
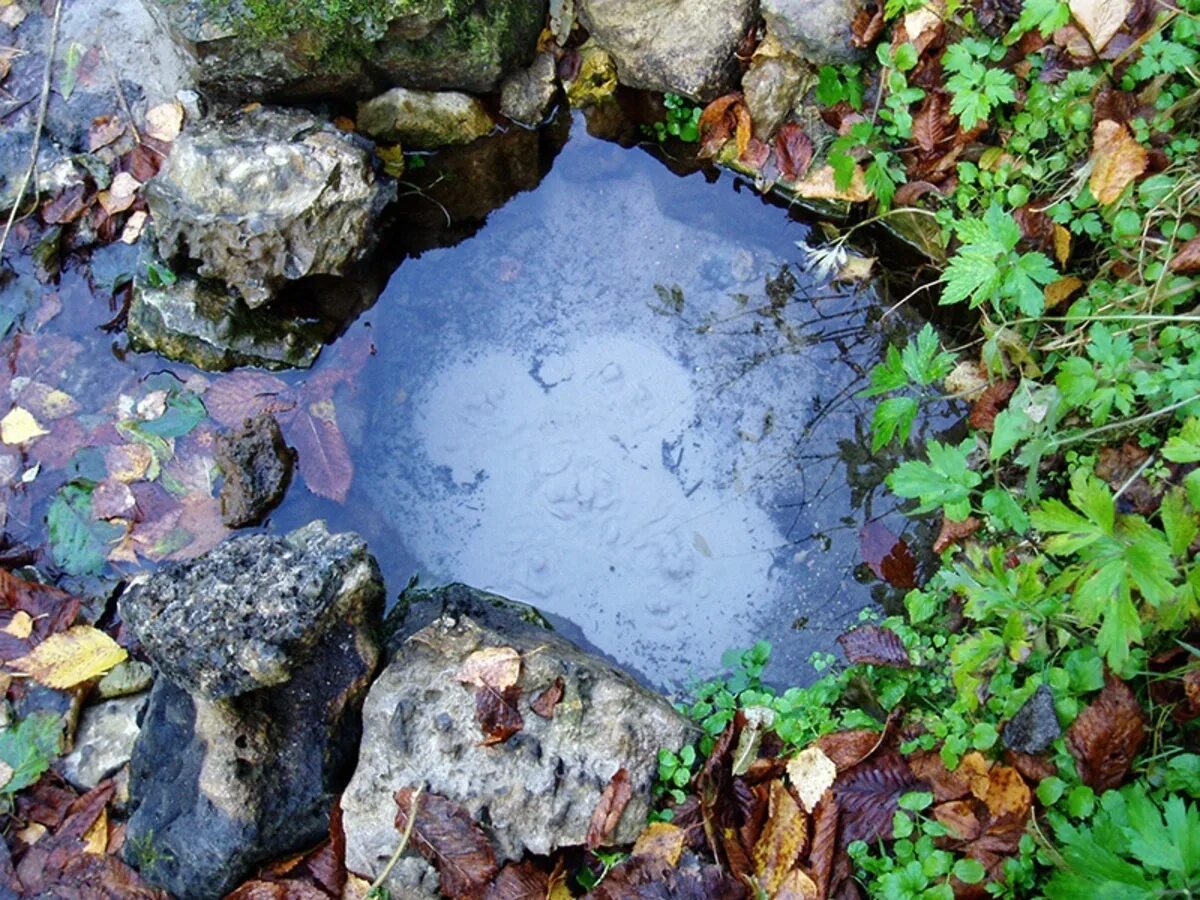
1035 725
816 31
534 792
202 324
265 198
276 640
245 615
685 46
257 463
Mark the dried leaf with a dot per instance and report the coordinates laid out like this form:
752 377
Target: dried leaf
820 184
887 555
848 748
165 121
855 269
876 646
68 206
495 667
1187 260
446 835
607 814
497 714
718 122
133 227
793 151
1101 19
812 773
120 195
993 399
826 818
933 125
20 626
967 380
1008 797
661 840
105 130
952 533
322 455
1062 289
797 886
1062 244
232 399
519 881
867 25
129 462
71 657
19 427
545 702
1117 159
869 795
1107 736
959 816
783 839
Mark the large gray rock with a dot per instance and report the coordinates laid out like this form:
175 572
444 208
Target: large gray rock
274 639
817 31
249 52
425 119
685 46
266 198
201 323
534 792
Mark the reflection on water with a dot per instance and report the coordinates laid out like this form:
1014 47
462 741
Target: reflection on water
622 401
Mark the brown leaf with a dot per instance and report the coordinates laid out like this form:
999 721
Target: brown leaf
497 714
1116 105
519 881
1032 767
1008 797
494 667
543 704
1107 736
826 818
649 878
67 206
322 455
869 794
756 153
1101 19
105 130
1187 260
876 646
797 885
783 839
867 25
933 125
446 835
718 123
848 748
661 840
142 162
887 555
952 533
1117 159
607 814
241 395
793 150
993 399
959 816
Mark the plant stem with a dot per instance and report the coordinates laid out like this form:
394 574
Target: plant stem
408 830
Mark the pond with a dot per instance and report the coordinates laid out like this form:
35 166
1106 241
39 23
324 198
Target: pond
626 398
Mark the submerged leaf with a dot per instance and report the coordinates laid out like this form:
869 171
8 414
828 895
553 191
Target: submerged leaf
323 457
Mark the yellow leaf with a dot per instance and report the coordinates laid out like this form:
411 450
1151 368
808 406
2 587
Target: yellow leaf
31 833
21 625
855 269
1062 245
1117 159
165 121
811 773
662 841
491 667
967 380
128 462
1058 291
95 839
6 773
19 426
783 838
393 159
71 657
1101 19
819 185
797 886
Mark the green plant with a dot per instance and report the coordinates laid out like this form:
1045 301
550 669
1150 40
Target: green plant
588 879
681 119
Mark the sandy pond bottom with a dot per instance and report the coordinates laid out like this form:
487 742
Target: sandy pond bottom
625 402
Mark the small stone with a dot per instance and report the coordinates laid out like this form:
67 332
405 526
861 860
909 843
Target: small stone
815 31
257 463
1035 725
104 741
527 96
425 119
128 677
772 87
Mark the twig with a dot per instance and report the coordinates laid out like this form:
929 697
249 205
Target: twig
408 830
37 131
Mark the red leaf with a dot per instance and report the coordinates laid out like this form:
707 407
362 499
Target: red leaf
67 206
607 814
323 457
868 796
446 835
955 532
876 646
793 150
497 714
887 555
231 399
521 881
1107 736
994 398
543 704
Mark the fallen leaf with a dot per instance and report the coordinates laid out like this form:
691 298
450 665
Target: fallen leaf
783 839
994 398
867 25
19 427
1117 159
241 395
869 794
967 380
811 773
120 195
826 818
322 455
1107 735
1101 19
1008 797
494 667
959 816
924 26
952 533
887 555
855 269
112 499
661 840
129 462
165 121
719 121
1187 260
105 130
1062 289
446 835
848 748
545 702
71 657
793 151
607 814
1062 244
876 646
497 714
519 881
133 227
95 839
67 206
820 184
20 626
797 886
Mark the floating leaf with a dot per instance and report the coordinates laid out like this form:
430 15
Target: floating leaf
1107 736
876 646
78 542
323 457
19 427
1117 159
242 395
28 748
887 555
607 814
71 657
446 835
495 667
545 702
812 773
782 841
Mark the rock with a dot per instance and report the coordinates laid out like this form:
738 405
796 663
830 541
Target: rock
534 792
1034 727
104 741
425 119
268 645
816 31
127 677
310 50
199 323
266 198
771 87
257 463
596 78
685 46
527 96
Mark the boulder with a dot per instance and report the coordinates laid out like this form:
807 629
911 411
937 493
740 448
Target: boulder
265 198
816 31
103 741
200 323
267 646
309 50
685 46
426 119
257 464
526 97
535 791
